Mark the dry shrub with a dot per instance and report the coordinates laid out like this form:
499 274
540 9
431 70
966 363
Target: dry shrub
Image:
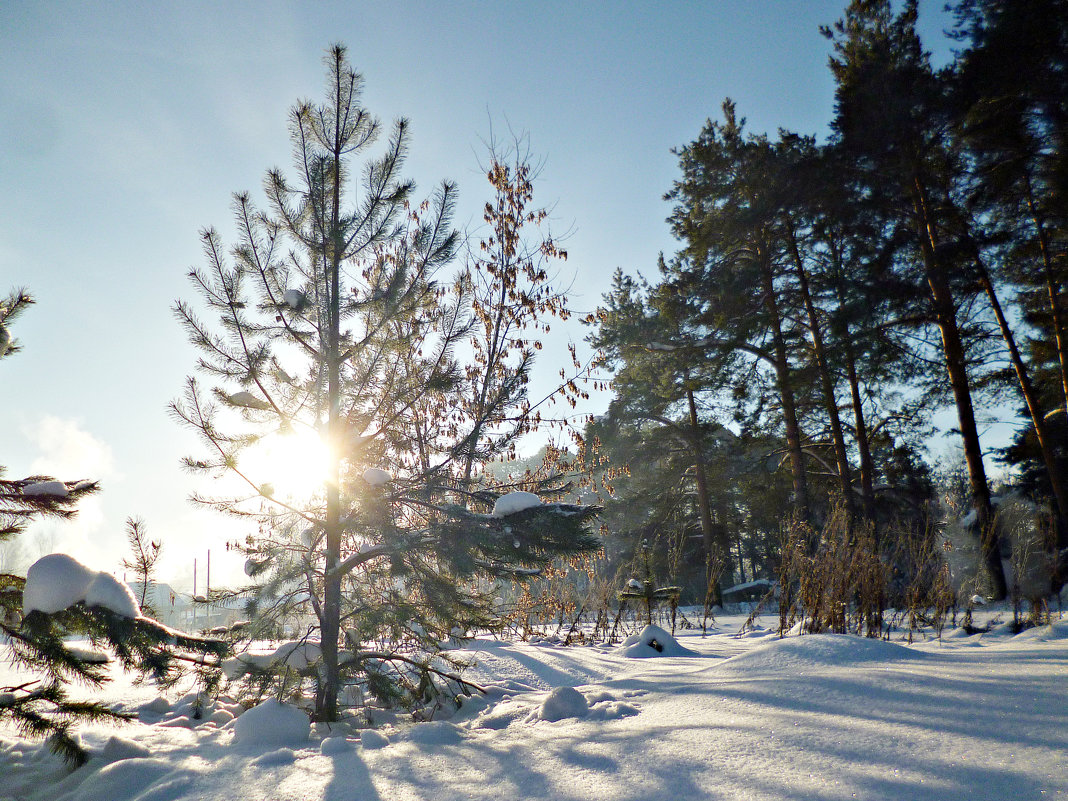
831 580
927 594
551 600
1033 539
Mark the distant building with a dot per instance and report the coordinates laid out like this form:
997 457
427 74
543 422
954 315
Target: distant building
180 611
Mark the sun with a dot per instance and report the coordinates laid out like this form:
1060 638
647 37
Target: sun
294 465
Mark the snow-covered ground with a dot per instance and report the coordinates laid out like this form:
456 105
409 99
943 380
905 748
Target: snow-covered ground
757 717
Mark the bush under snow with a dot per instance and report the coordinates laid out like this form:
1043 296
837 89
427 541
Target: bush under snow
653 641
272 723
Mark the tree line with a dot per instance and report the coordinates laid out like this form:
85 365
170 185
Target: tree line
826 297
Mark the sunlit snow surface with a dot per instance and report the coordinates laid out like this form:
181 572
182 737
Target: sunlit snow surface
814 717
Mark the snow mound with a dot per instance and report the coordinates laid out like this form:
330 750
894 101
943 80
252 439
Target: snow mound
123 779
1052 631
57 581
371 740
563 702
434 732
272 723
817 650
119 748
280 756
653 641
611 710
332 746
376 477
513 502
502 715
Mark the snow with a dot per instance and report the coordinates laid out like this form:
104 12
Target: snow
296 654
57 581
809 718
372 740
512 502
55 489
248 401
563 702
118 748
294 299
272 723
634 584
376 477
107 591
333 746
653 641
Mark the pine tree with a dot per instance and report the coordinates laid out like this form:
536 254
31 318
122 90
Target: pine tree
333 319
41 707
893 122
1014 124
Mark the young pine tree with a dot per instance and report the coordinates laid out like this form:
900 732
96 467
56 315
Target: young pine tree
333 324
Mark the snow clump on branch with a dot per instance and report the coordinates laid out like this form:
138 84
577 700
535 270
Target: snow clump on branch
513 502
57 581
376 477
56 489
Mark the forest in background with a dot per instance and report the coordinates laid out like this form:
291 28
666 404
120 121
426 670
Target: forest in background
775 379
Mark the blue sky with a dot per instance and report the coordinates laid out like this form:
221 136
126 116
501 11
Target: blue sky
126 127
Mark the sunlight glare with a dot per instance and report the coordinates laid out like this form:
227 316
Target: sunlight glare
295 464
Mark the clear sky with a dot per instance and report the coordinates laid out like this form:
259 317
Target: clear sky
126 126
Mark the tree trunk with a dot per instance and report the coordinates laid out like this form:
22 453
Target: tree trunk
860 425
713 550
1052 290
867 468
826 379
786 393
956 368
330 623
1034 408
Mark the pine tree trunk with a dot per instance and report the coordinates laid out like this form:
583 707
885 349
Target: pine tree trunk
703 501
867 468
1052 291
329 626
860 425
786 393
826 380
956 367
1034 408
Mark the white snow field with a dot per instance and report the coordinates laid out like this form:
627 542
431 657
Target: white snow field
975 718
